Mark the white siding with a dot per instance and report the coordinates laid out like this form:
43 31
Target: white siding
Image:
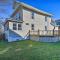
20 32
38 20
49 26
56 28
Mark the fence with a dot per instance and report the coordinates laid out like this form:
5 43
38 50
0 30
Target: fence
45 36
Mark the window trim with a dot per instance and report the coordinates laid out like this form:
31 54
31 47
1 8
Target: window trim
14 27
27 23
32 26
18 16
45 18
45 28
32 15
20 27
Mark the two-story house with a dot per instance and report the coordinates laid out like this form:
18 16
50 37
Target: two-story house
25 18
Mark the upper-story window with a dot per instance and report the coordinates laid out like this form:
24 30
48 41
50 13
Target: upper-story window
18 16
27 23
32 15
14 26
19 27
32 26
45 18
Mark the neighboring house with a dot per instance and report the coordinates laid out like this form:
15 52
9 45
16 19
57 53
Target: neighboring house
57 25
25 18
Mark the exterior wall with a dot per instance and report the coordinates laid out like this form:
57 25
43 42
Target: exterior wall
56 28
15 35
20 32
49 26
38 21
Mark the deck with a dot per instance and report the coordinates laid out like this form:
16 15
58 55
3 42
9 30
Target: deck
45 36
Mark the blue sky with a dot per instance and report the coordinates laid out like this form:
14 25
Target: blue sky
50 6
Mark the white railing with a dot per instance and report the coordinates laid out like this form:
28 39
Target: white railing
46 33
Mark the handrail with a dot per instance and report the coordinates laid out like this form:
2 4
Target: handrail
26 35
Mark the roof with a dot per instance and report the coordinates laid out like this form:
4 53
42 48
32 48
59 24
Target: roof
31 8
57 22
11 20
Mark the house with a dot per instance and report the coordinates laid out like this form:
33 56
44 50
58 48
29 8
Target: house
57 25
25 18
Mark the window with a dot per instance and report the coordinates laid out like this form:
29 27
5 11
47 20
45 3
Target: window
32 15
45 18
14 26
19 27
18 16
27 23
45 28
32 26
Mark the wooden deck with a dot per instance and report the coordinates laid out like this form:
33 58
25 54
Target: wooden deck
45 36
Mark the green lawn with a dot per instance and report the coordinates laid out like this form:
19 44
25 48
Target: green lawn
29 50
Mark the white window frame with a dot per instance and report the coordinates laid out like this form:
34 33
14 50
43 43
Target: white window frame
32 26
32 15
45 18
20 27
15 27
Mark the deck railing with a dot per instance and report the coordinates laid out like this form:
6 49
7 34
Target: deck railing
45 33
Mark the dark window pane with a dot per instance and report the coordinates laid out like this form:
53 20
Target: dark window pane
19 27
45 28
14 26
27 23
45 18
32 15
32 26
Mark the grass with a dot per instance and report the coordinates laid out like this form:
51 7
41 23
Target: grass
29 50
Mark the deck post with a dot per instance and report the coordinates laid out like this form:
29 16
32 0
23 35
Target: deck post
39 34
53 32
29 34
